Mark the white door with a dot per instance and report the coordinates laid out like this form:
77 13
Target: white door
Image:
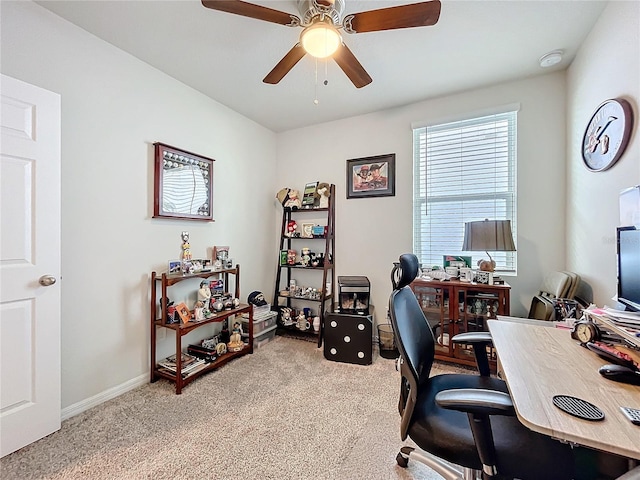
29 264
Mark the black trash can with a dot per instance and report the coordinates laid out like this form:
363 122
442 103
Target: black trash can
387 341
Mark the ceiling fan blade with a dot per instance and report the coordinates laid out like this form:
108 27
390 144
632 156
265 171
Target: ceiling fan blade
283 67
351 67
253 11
403 16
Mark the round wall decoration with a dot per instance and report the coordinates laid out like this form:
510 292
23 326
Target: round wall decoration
607 134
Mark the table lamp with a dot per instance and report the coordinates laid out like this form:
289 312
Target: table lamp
488 235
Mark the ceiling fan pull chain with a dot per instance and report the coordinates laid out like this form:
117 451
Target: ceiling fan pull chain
315 101
326 72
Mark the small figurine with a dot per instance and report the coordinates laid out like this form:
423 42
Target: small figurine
293 202
487 265
291 257
198 310
204 293
218 306
283 195
235 341
292 226
323 192
186 247
305 258
285 316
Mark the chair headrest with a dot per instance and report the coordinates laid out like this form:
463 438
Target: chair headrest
405 271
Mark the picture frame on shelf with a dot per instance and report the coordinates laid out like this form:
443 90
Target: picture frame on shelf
183 184
183 312
221 253
319 231
371 176
456 261
186 267
196 265
216 286
307 230
283 257
175 267
309 195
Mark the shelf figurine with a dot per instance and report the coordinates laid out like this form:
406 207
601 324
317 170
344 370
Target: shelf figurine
323 192
186 247
292 226
204 293
235 341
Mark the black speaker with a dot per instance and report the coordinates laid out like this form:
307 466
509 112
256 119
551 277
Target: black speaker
348 338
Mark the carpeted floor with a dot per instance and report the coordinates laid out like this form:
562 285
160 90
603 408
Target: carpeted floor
284 412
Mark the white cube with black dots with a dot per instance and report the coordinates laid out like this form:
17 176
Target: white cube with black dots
348 338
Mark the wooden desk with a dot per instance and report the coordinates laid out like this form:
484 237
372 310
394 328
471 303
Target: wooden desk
539 362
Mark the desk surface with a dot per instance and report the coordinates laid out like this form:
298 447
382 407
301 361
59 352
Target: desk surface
539 362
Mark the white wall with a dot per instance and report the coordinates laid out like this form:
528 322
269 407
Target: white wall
113 108
607 66
371 233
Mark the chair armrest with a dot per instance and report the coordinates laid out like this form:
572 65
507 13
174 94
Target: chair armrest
479 341
479 404
471 338
476 401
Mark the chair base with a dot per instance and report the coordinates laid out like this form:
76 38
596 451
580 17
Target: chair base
446 470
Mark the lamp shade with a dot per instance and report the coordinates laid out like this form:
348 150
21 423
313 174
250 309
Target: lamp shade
320 40
488 236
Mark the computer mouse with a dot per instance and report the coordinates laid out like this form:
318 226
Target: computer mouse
619 373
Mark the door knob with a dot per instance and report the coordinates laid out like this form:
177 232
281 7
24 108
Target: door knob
47 280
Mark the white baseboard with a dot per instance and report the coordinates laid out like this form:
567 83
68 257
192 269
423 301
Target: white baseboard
76 408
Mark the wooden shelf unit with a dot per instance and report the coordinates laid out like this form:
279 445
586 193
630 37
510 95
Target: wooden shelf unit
164 281
288 272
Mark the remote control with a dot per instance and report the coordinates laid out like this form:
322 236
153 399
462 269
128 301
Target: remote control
633 414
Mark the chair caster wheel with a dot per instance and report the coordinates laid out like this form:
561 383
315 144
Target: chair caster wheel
402 460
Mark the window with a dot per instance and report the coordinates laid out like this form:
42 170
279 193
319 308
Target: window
463 171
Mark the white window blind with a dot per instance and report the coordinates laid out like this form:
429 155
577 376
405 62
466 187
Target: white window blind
463 171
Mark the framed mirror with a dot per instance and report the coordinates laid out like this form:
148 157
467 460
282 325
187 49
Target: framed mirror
183 184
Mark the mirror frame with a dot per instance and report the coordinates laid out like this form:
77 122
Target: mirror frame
206 164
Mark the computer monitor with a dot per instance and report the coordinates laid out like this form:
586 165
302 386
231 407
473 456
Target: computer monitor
628 242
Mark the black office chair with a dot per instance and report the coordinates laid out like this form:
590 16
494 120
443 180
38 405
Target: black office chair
466 420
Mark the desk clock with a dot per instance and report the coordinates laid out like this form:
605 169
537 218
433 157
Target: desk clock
585 331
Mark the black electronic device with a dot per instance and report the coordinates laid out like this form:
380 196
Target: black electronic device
633 414
612 355
620 373
628 243
353 294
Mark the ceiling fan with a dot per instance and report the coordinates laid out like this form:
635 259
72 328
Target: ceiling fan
321 20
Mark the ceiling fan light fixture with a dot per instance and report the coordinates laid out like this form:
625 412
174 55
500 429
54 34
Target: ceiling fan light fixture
320 40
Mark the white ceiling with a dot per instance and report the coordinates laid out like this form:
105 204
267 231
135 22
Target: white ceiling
225 56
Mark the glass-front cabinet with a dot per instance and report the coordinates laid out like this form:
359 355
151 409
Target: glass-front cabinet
452 307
